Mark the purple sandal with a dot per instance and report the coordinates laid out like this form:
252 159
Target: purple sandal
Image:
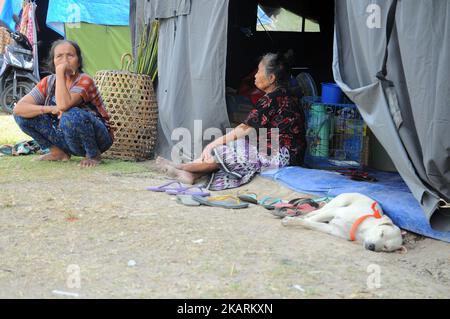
165 187
188 191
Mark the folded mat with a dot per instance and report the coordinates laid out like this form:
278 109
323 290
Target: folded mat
390 191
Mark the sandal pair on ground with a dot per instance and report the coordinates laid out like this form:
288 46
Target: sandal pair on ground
280 208
299 206
196 196
276 206
229 201
176 188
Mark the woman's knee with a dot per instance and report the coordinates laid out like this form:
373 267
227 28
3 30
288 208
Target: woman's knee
21 121
72 119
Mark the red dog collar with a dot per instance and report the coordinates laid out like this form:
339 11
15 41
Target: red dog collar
376 214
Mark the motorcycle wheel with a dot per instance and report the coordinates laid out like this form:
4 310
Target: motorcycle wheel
7 100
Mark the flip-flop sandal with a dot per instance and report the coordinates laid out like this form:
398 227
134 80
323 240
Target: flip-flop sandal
303 205
249 198
270 202
301 201
187 200
287 212
291 212
226 201
295 202
188 191
305 208
6 149
166 187
267 202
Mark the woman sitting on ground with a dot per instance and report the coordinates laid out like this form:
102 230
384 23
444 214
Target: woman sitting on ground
232 159
64 112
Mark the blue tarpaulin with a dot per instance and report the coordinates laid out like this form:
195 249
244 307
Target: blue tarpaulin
104 12
390 192
10 8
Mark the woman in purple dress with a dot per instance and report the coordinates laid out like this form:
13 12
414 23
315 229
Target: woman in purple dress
272 136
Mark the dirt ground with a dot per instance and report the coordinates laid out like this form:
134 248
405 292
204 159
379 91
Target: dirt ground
99 234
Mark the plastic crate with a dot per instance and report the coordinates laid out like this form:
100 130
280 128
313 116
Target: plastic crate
336 135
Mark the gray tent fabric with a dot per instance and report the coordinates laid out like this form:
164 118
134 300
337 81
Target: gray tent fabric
167 9
144 12
408 111
136 23
191 83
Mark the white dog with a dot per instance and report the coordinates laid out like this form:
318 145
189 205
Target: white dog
353 216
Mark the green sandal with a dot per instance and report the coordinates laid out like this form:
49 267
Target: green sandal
267 202
226 201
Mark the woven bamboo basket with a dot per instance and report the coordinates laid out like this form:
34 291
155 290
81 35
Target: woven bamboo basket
131 103
5 39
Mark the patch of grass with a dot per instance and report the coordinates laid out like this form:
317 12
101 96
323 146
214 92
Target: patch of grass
10 132
23 168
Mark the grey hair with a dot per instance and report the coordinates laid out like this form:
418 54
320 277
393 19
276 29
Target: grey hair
51 57
278 65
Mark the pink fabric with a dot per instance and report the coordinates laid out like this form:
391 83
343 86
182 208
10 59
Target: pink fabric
30 26
26 22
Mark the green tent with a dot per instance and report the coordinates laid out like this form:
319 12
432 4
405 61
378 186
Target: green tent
102 45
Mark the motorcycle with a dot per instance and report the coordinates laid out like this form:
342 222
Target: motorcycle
16 73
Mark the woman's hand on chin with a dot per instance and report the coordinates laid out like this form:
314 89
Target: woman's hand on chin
65 69
61 68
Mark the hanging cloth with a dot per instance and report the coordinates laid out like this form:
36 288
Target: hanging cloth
24 20
30 25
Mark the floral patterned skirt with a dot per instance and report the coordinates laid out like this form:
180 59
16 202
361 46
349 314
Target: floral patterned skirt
240 161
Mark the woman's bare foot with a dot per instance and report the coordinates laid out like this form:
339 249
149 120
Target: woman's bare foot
90 162
163 165
55 154
182 176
